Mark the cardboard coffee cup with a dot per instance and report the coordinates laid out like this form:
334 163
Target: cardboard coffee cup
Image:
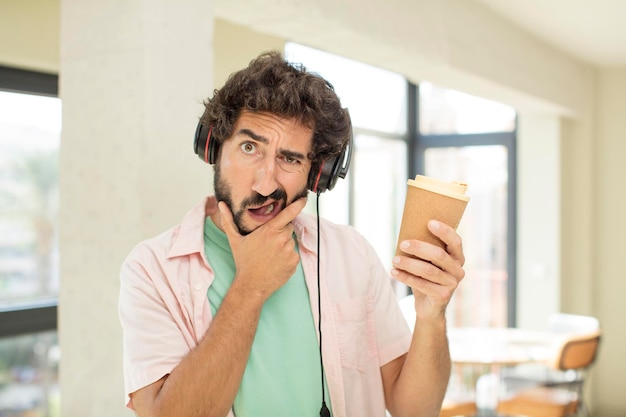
429 198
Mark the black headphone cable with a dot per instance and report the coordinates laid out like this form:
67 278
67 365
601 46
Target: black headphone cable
324 411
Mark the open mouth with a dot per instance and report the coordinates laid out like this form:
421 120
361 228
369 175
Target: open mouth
267 210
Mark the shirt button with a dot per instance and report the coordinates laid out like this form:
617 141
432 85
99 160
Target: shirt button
198 287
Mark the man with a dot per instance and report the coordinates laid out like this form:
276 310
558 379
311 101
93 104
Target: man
221 313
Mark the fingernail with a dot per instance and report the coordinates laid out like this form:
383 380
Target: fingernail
404 244
395 260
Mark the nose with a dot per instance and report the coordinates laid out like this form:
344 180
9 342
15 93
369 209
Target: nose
265 178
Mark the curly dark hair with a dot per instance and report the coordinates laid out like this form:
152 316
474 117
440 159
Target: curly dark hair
273 85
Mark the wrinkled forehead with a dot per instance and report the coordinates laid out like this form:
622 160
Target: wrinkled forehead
268 128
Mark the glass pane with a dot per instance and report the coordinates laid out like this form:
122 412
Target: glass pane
445 111
481 299
30 129
29 375
380 174
376 98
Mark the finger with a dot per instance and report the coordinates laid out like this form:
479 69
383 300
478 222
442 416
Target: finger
428 261
422 269
287 215
449 236
228 223
425 286
426 251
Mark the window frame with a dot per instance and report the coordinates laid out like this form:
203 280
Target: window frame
41 315
420 142
417 143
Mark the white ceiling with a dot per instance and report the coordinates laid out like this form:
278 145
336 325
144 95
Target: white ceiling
593 31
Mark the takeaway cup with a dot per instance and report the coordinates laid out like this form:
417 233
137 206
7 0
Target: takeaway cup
429 198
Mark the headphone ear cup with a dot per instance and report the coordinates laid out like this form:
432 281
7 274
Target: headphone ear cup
334 172
324 176
205 145
315 178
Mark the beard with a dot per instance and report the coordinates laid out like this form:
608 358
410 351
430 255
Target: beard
223 193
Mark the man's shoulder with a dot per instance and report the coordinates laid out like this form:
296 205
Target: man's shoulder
178 238
154 247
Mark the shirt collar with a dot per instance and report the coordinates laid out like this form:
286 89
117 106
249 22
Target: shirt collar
305 229
189 238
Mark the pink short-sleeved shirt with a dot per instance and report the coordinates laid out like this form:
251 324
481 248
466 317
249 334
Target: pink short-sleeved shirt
164 309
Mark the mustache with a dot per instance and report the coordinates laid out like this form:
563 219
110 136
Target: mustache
258 199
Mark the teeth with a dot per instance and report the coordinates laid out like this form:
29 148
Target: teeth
269 209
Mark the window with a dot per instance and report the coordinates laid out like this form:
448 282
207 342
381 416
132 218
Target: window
30 126
445 111
471 139
402 129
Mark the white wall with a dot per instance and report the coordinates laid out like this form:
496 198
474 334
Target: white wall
538 223
459 44
609 276
235 46
133 76
29 34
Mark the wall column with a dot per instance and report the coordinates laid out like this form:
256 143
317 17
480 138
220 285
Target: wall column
132 79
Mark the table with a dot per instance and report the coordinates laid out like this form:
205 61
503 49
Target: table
490 348
494 348
498 346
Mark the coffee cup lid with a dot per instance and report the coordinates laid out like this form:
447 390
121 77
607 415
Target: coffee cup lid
453 189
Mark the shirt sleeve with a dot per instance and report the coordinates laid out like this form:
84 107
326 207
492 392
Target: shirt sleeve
392 331
155 338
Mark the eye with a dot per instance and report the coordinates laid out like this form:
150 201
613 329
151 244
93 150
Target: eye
248 147
291 160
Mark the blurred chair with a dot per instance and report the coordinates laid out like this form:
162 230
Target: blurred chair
540 402
529 375
577 352
572 323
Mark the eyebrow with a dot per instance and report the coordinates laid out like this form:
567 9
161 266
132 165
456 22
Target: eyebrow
263 139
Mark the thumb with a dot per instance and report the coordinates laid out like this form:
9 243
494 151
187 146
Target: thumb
228 224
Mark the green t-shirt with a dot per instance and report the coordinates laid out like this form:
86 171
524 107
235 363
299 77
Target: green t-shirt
282 376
